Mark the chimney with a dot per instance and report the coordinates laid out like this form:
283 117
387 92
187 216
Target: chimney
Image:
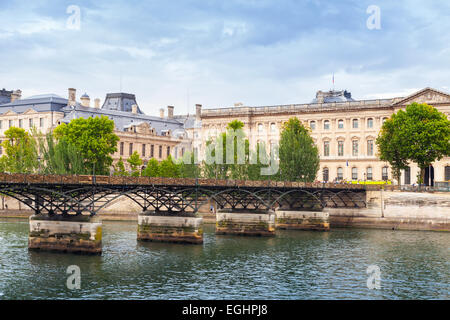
161 113
134 108
72 97
16 95
170 112
97 103
85 100
198 112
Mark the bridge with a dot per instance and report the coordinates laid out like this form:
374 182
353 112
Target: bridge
75 195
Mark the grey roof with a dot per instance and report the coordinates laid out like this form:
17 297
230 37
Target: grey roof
333 96
40 103
5 96
120 102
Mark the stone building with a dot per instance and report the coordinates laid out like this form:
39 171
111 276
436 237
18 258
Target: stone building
344 130
150 136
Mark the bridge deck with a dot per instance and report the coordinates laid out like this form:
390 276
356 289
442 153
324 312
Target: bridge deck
120 180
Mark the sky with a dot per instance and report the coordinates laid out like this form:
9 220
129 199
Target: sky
218 53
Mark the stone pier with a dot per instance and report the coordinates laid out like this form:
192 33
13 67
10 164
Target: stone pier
245 223
72 234
302 220
177 229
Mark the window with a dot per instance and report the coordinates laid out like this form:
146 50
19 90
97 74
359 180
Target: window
447 173
143 150
30 123
341 124
326 148
121 148
175 152
182 152
326 125
1 124
10 123
130 151
168 151
152 151
160 152
355 148
20 123
408 175
325 174
340 173
370 147
384 173
354 173
340 148
370 123
355 123
41 122
384 120
260 127
369 173
312 125
273 128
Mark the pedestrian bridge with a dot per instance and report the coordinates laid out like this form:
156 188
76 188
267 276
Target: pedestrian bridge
86 195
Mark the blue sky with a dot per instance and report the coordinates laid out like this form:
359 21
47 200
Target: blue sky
218 53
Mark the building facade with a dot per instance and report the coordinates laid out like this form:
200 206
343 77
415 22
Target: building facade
344 130
151 137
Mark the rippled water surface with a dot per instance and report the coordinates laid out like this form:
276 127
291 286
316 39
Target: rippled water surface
293 265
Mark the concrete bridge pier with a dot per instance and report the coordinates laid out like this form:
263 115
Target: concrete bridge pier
176 229
302 220
71 234
245 222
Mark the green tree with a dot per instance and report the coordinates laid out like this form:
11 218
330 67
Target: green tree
60 157
152 168
94 137
135 162
168 168
392 148
119 168
299 156
258 160
21 151
187 166
422 134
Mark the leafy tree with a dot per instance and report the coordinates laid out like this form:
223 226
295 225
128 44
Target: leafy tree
168 168
21 151
187 166
259 160
299 156
422 134
152 168
119 168
94 137
60 157
392 148
135 162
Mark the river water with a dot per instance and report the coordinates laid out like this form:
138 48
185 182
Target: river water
293 265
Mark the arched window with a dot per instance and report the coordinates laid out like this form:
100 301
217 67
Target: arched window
273 128
355 123
384 120
340 148
340 173
370 147
370 123
312 125
326 148
260 127
355 148
325 174
341 124
326 125
354 173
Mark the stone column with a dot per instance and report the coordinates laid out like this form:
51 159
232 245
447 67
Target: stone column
177 229
72 234
245 222
302 220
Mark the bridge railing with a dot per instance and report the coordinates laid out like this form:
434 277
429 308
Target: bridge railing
127 180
